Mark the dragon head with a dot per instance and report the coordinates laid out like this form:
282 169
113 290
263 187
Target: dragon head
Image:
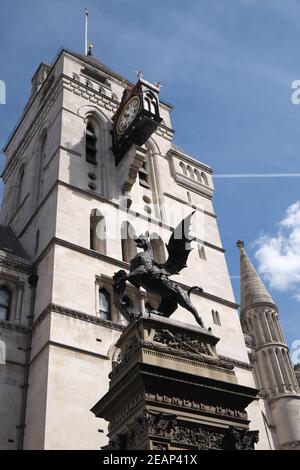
142 241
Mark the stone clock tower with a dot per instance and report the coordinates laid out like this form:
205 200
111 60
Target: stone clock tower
90 163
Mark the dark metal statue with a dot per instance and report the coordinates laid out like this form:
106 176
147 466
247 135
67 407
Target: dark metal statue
154 277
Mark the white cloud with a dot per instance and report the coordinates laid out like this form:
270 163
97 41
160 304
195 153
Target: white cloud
279 256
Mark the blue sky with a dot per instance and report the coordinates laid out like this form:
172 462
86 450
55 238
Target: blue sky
227 66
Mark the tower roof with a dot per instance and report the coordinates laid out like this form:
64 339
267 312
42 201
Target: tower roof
253 291
9 243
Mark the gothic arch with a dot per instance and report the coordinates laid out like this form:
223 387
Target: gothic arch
89 111
105 161
97 231
152 147
158 248
197 174
183 168
190 172
204 178
127 240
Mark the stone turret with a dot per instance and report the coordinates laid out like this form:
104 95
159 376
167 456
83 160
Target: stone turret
270 356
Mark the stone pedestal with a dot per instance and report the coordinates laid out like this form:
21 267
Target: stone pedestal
170 390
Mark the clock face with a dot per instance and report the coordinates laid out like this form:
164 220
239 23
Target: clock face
128 114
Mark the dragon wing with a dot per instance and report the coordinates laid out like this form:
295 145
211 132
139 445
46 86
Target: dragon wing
179 247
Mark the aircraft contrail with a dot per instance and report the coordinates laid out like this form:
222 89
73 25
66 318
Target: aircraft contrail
258 175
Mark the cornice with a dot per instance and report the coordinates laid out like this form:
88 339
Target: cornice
214 247
13 326
190 204
237 363
75 314
13 262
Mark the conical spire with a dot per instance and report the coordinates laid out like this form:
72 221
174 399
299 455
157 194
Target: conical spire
253 291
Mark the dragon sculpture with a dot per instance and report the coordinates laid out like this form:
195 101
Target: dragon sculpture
155 278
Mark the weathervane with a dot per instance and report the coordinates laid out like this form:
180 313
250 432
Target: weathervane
139 74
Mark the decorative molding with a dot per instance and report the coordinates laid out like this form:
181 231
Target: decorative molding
165 426
14 327
236 363
131 405
91 253
182 342
196 405
190 204
166 344
91 94
165 132
75 314
13 262
214 247
243 439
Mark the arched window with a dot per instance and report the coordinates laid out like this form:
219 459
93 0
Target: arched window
182 167
128 244
197 174
114 97
158 248
190 171
91 144
89 84
150 103
97 232
144 177
104 304
204 178
216 317
201 251
76 77
5 301
20 186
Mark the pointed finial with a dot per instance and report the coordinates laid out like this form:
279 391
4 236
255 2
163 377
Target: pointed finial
158 85
139 73
240 244
90 49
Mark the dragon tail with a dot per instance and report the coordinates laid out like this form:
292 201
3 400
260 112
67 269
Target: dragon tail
199 289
